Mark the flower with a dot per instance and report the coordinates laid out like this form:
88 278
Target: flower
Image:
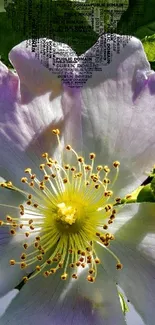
81 132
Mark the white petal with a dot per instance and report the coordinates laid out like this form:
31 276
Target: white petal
6 300
10 246
46 301
134 245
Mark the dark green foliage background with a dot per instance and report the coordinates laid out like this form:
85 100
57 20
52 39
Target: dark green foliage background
62 21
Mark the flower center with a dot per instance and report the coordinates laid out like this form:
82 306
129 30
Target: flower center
64 214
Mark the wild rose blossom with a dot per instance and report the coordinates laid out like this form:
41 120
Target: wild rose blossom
84 135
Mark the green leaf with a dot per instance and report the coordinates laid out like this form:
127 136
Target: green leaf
146 194
149 47
139 19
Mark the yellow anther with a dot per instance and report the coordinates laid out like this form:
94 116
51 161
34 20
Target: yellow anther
78 263
81 159
91 271
24 179
29 202
83 265
64 276
81 259
39 257
99 168
42 166
68 147
27 170
106 169
9 184
36 244
73 169
12 262
92 155
38 268
3 185
103 238
60 265
8 218
97 260
23 256
49 261
112 217
35 205
66 167
97 186
94 177
49 164
79 174
52 161
74 276
112 237
46 274
108 207
33 176
119 266
45 155
25 279
108 193
65 180
118 199
12 232
90 278
53 270
106 181
72 265
25 246
23 265
88 167
46 177
56 131
116 164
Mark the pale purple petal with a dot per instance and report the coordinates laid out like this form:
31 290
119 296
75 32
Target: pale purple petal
151 83
25 128
31 105
115 126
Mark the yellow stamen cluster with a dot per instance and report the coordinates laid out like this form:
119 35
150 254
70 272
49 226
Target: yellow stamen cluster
66 210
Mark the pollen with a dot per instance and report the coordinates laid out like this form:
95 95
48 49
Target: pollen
66 214
66 210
